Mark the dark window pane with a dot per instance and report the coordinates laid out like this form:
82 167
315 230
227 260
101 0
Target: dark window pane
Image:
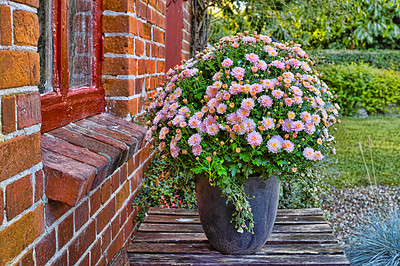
45 46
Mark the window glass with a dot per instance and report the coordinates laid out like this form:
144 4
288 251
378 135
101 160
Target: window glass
45 46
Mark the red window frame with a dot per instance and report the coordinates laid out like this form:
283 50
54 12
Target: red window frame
63 106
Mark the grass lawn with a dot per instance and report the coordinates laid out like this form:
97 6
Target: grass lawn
384 132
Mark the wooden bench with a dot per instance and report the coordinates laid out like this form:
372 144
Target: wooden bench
175 236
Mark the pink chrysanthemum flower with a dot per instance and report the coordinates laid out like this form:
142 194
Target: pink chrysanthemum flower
242 129
288 146
211 91
305 67
272 53
287 125
254 139
257 88
252 57
178 119
313 103
217 84
291 115
156 119
316 119
278 64
298 126
309 128
209 120
196 150
194 140
305 116
227 62
164 130
294 62
318 155
249 125
268 122
288 101
267 83
184 110
287 81
217 76
213 103
320 101
199 115
212 130
149 134
262 65
194 122
221 109
161 146
234 89
268 48
238 72
274 145
277 94
232 118
247 103
174 151
242 113
174 106
296 91
308 153
297 100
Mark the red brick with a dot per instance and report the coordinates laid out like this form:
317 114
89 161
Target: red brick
82 243
83 5
79 154
142 10
5 26
158 35
26 28
119 5
115 226
131 166
115 181
126 24
95 202
150 66
62 260
1 206
20 234
27 259
46 248
38 185
105 191
119 66
148 48
128 228
65 231
28 109
115 246
95 252
81 215
118 45
106 238
160 66
119 87
139 85
141 66
54 211
139 47
122 195
91 144
19 69
33 3
123 108
103 261
8 113
19 196
123 173
105 215
67 180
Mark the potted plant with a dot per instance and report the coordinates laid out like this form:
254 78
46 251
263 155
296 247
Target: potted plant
236 119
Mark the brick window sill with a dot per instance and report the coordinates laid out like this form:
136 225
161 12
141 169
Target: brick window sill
79 156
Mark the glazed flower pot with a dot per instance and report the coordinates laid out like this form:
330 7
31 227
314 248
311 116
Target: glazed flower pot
216 214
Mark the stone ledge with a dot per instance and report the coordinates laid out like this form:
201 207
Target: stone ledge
79 156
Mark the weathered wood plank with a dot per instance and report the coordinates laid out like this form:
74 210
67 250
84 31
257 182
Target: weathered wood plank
206 248
191 259
290 212
275 238
184 219
196 228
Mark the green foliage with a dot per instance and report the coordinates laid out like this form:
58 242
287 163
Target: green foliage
362 86
387 59
317 23
163 187
382 152
377 241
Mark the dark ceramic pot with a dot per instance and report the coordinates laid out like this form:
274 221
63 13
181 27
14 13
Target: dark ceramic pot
215 215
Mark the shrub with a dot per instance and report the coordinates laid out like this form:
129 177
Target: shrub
387 59
363 86
377 241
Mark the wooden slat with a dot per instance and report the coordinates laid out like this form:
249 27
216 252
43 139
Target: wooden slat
275 238
193 259
196 228
189 219
193 212
206 248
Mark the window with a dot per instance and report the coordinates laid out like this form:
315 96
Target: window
70 50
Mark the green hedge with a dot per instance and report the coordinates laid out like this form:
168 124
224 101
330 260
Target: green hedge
387 59
363 86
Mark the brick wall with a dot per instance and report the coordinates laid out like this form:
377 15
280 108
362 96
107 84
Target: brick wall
186 29
21 178
134 52
35 230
